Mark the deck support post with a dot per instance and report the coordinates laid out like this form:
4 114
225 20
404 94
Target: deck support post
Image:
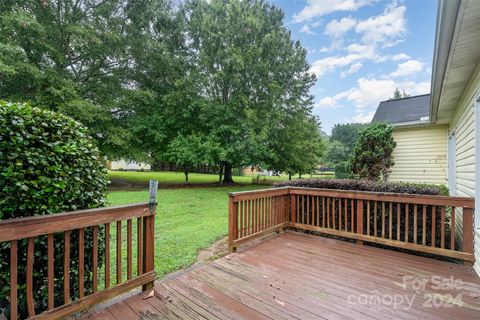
359 219
148 248
232 223
467 230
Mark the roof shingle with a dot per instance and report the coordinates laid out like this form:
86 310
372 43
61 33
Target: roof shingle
410 109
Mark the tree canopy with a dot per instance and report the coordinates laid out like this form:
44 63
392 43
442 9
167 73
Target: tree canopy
146 76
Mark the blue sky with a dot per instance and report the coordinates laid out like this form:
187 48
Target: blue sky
361 50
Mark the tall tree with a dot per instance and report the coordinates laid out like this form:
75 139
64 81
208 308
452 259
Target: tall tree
347 134
397 94
250 73
89 59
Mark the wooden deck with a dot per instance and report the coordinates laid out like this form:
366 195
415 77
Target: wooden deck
299 276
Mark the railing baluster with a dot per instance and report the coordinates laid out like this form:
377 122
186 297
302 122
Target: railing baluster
107 255
119 252
318 210
442 230
328 212
308 210
406 223
139 246
66 267
383 219
390 217
415 217
95 259
352 210
346 214
29 279
323 212
452 229
368 217
398 221
13 279
434 224
81 261
334 214
340 213
375 222
129 249
424 225
50 271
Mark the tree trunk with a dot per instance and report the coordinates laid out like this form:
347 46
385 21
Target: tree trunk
186 175
227 177
220 174
289 176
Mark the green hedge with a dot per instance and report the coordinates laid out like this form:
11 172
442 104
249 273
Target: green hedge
48 164
365 185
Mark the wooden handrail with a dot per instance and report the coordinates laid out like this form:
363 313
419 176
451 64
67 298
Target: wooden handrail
61 227
413 222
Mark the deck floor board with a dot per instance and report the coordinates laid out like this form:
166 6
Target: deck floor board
299 276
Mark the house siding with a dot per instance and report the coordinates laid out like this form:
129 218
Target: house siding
420 155
463 123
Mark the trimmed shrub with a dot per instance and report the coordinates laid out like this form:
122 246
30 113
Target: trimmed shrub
48 164
366 185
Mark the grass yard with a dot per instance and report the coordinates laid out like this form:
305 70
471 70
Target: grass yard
169 177
187 220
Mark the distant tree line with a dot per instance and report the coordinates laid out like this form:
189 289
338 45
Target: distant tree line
217 82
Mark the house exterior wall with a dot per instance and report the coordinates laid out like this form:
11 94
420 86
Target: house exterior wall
128 165
463 123
420 155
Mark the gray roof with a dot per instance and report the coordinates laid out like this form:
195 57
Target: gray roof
403 111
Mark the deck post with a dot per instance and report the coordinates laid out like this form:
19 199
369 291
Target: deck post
232 223
293 208
149 235
359 219
467 230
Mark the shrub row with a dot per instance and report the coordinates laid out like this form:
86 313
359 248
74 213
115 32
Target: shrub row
364 185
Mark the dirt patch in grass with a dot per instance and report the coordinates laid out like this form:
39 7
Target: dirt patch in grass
218 249
126 185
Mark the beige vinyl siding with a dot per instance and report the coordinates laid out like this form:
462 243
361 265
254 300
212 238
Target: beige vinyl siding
420 155
463 123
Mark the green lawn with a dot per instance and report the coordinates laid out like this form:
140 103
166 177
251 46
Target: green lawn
187 220
168 177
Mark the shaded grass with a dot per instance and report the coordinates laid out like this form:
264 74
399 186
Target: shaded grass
187 220
169 177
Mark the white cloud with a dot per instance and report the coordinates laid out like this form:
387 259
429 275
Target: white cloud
408 68
306 29
330 64
361 117
353 69
318 8
336 28
385 28
369 92
400 56
327 101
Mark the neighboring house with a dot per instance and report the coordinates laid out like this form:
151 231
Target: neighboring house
127 165
453 112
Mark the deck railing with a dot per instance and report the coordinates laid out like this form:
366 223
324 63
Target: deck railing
421 223
84 228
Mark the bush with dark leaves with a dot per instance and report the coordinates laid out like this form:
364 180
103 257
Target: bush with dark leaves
48 164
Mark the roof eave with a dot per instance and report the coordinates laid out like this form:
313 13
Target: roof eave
446 20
